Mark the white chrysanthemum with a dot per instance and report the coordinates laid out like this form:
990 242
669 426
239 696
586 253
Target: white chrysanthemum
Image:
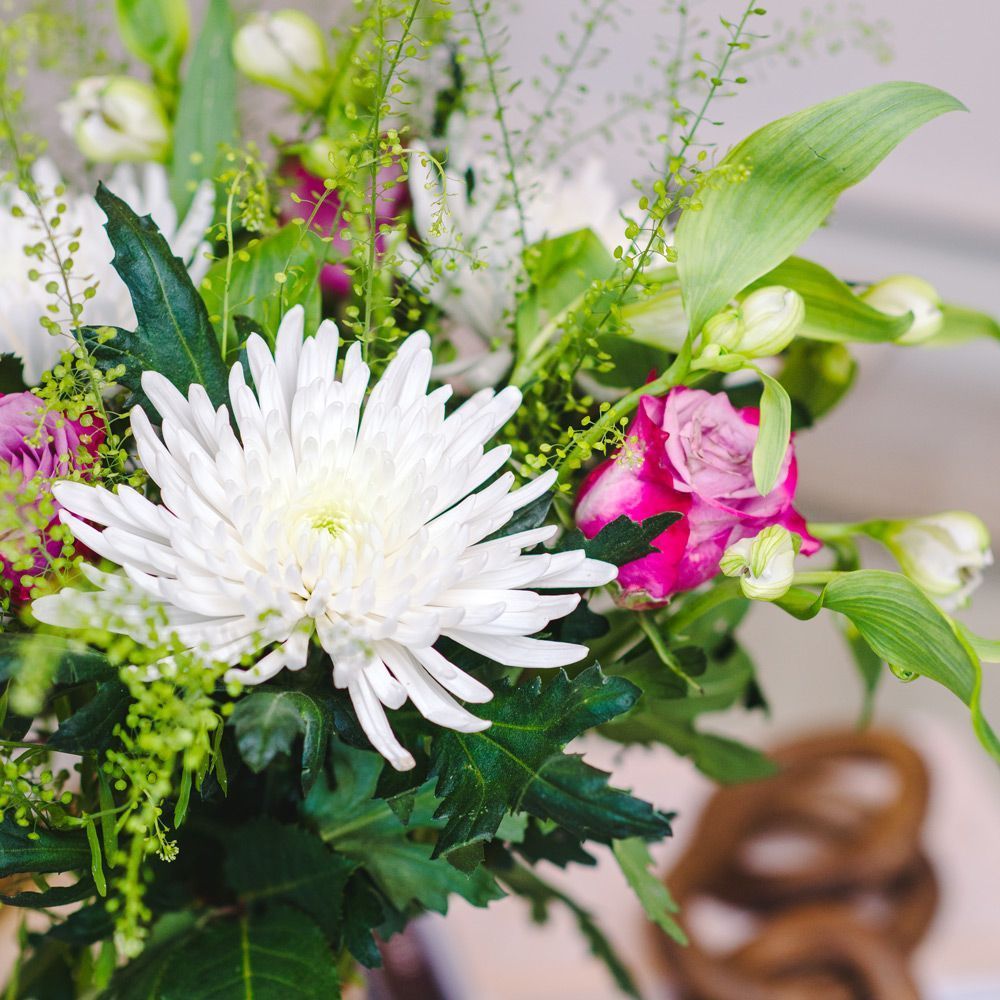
470 224
23 302
365 524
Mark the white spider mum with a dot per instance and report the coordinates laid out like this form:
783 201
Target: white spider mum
365 524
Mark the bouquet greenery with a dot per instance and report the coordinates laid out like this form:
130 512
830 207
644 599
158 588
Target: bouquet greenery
347 483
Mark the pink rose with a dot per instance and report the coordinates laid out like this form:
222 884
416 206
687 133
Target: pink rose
690 452
389 205
37 447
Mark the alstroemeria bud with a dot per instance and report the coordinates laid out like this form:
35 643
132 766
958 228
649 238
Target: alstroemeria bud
155 31
765 323
116 118
765 564
285 50
903 293
943 554
725 329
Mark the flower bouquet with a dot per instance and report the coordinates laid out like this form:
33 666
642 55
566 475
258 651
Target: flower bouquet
348 480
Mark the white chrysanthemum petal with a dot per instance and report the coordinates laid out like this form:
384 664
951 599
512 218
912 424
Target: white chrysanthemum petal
364 523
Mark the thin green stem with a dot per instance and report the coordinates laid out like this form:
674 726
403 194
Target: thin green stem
501 120
663 651
819 578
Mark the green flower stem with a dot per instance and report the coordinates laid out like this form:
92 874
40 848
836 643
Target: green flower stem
836 531
721 593
663 651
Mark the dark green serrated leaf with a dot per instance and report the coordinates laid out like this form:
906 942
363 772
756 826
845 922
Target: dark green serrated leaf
279 954
634 860
206 117
548 842
366 829
623 540
11 374
363 911
143 977
92 726
173 335
51 851
530 516
57 895
481 776
267 723
268 861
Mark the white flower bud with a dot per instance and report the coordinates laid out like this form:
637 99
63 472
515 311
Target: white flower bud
765 564
116 119
766 322
943 554
905 293
285 50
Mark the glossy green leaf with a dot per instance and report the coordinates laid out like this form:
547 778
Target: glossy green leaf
518 762
268 861
267 723
367 830
255 292
50 851
174 336
560 270
156 32
57 895
963 325
11 374
206 117
277 953
798 167
833 311
773 436
906 630
633 858
92 726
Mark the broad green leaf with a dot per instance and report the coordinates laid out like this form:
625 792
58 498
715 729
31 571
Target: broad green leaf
633 858
366 830
542 895
267 861
516 762
58 895
279 954
174 336
143 977
91 727
773 436
833 311
206 117
962 325
905 629
560 271
51 851
267 723
623 540
798 167
257 293
570 792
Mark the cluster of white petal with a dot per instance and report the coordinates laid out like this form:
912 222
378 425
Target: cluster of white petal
23 301
364 523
